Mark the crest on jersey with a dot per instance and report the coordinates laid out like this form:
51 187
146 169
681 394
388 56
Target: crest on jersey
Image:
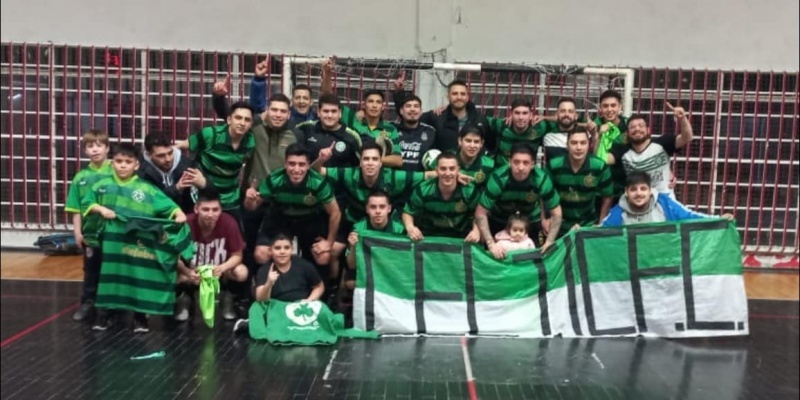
138 195
340 146
309 200
589 181
461 206
530 197
424 136
480 176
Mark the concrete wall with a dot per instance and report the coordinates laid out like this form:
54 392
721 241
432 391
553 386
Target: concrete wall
738 34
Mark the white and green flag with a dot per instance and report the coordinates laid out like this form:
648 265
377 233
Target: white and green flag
672 280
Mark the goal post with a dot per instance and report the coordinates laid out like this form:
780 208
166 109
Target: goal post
496 83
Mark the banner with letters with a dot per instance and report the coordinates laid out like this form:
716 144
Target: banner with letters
670 280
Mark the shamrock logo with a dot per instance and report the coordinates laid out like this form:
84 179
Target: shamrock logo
303 313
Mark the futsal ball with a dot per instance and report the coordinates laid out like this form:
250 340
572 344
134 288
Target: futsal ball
429 159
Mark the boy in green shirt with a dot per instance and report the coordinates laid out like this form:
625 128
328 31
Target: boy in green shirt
86 230
124 194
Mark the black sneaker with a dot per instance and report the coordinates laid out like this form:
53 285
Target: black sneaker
226 305
182 307
84 312
103 321
242 326
140 324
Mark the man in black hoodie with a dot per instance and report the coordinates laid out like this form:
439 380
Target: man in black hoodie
164 166
448 123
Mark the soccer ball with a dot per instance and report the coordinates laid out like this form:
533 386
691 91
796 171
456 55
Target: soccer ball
429 159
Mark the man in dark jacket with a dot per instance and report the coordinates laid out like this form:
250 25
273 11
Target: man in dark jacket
459 112
164 166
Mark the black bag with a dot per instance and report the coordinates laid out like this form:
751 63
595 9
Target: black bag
58 244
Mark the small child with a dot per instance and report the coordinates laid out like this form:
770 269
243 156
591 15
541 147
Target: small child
87 229
125 194
515 236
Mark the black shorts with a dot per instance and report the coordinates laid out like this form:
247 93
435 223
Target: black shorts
345 227
349 274
306 230
236 213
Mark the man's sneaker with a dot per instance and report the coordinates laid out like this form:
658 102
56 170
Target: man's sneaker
226 305
242 326
83 312
140 323
103 321
182 307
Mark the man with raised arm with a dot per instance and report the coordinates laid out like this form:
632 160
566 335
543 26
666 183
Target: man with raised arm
652 155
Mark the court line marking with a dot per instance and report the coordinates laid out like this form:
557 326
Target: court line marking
473 393
330 365
5 278
30 329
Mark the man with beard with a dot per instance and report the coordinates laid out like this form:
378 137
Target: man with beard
652 155
443 206
518 188
371 126
165 166
219 243
329 133
471 160
580 178
272 138
448 123
221 151
415 137
522 128
555 133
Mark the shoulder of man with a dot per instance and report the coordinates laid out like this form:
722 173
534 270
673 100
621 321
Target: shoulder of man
306 126
556 162
596 163
429 129
360 226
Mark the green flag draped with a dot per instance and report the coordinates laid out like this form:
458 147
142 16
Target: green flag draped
299 323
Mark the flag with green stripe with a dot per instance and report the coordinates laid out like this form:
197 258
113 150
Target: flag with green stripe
672 279
140 257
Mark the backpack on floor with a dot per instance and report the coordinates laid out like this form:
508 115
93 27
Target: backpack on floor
58 244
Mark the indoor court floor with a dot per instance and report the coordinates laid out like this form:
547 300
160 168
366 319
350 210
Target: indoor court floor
45 355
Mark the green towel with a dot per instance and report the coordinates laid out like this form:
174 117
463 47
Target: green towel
300 323
209 287
607 140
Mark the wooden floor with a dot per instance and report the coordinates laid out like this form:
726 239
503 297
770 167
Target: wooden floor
764 285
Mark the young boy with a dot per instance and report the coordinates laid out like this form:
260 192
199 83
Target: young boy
125 194
86 230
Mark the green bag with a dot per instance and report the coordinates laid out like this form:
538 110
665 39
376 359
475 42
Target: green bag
209 287
300 323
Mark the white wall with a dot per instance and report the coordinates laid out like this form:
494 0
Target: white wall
739 34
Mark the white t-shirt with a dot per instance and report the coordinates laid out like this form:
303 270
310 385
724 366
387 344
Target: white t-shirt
655 160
